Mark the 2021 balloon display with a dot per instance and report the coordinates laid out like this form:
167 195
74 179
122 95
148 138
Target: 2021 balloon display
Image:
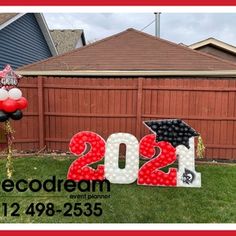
173 140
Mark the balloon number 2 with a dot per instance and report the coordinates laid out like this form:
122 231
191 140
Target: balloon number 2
91 148
150 173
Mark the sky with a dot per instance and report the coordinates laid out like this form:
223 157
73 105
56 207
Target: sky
184 28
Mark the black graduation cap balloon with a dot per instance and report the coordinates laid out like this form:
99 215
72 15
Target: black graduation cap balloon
176 131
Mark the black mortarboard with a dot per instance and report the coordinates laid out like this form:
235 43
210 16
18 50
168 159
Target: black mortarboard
176 131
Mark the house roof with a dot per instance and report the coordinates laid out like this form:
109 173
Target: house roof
130 50
8 18
4 17
67 39
215 42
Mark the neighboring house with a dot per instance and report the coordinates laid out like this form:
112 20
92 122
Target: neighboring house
24 39
216 48
67 40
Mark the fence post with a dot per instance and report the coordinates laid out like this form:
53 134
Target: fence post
41 112
139 108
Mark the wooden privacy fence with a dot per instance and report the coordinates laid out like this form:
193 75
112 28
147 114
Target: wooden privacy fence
59 107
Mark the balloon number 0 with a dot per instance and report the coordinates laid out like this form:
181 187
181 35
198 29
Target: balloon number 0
112 171
91 148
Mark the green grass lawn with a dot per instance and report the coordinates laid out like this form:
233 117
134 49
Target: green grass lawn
215 202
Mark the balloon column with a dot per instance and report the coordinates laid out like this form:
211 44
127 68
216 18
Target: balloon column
11 105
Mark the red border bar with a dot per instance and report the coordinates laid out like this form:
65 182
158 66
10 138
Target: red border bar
118 3
119 233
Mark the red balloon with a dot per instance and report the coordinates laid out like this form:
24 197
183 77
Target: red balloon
80 169
9 105
150 173
1 105
22 103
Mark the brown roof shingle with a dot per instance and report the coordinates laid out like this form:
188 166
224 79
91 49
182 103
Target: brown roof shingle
132 50
4 17
65 40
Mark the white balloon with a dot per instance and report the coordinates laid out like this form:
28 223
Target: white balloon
15 93
112 171
186 162
3 94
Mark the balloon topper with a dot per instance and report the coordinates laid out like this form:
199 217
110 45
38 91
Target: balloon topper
9 78
11 101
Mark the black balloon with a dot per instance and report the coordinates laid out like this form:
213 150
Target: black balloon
3 116
176 131
17 115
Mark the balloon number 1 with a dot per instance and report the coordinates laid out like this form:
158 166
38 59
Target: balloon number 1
91 148
187 176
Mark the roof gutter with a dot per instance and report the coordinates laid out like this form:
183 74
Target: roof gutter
219 73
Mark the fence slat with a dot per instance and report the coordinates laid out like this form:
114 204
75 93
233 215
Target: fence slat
41 112
139 107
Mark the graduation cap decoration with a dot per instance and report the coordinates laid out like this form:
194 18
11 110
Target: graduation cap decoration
175 131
